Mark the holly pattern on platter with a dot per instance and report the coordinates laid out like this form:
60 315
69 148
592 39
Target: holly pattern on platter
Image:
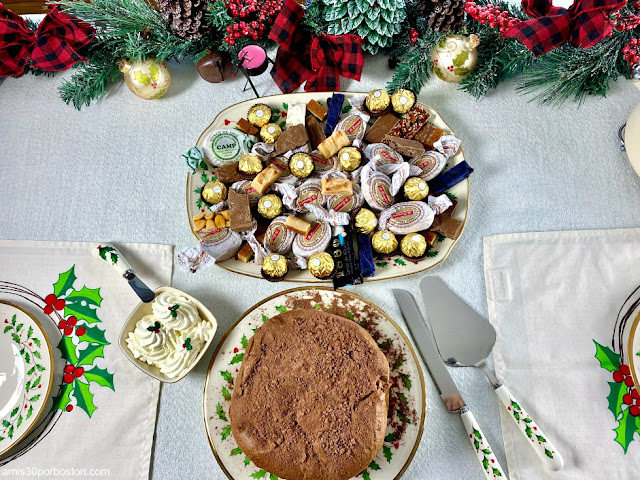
29 347
623 399
482 449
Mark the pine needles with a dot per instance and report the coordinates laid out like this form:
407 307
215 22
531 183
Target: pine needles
414 64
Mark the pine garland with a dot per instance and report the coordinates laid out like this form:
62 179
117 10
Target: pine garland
414 66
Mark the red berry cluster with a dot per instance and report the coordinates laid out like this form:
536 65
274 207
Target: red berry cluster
632 398
413 35
631 51
53 302
261 13
625 24
71 372
491 15
67 327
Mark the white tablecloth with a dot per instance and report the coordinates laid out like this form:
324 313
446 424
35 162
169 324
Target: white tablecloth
112 172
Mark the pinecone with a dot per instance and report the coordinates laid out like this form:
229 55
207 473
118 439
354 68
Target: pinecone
443 15
185 17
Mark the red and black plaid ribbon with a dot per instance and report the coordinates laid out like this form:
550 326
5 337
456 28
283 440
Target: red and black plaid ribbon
53 47
320 61
585 23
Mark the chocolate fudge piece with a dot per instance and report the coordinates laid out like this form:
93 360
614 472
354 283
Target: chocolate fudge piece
229 173
292 137
411 123
240 219
381 127
428 135
409 148
246 127
316 133
447 226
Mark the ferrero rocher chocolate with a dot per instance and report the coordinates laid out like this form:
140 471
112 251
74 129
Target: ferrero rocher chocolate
250 164
270 206
321 265
259 115
301 165
413 245
384 241
402 100
349 158
270 133
416 188
377 101
274 267
366 221
214 192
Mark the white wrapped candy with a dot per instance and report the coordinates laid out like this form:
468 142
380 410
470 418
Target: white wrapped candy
407 217
376 188
317 240
430 165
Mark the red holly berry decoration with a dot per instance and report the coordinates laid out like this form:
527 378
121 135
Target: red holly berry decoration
69 408
68 331
59 304
631 52
78 372
71 321
627 398
62 325
492 15
629 381
256 15
68 378
618 377
50 299
413 35
80 331
69 369
634 410
625 369
635 394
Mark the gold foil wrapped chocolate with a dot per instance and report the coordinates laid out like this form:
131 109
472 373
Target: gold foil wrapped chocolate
402 101
270 132
413 245
270 206
321 265
274 267
377 101
250 164
259 115
349 158
384 241
415 188
366 221
301 165
214 192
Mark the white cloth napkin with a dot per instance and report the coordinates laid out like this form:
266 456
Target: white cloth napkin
550 296
117 440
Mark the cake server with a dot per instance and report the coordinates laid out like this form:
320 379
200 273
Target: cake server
465 339
110 254
446 386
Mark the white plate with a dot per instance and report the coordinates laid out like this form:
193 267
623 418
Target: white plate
407 395
26 373
386 267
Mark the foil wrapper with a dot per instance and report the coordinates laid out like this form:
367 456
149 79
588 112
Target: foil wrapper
448 145
262 149
244 186
270 132
430 165
301 165
309 193
415 188
317 240
377 101
413 245
355 124
270 206
250 164
384 241
321 265
274 267
365 221
376 188
278 238
330 216
402 101
321 165
259 115
214 192
407 217
349 158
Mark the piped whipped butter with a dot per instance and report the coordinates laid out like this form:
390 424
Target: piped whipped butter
172 338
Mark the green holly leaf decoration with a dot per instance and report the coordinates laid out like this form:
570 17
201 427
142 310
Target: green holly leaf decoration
10 432
81 312
259 474
5 423
626 429
68 349
476 444
15 337
226 431
220 412
349 315
84 397
387 453
374 466
382 264
226 394
187 344
400 261
528 431
432 253
7 328
485 463
89 295
100 376
154 71
174 310
390 437
461 71
618 390
247 461
273 477
317 306
461 58
399 362
227 375
236 451
237 358
64 283
403 398
264 318
281 309
527 420
541 439
103 251
496 472
244 341
406 380
19 422
609 360
346 108
515 405
516 415
90 354
142 78
477 434
549 454
365 475
36 340
30 411
19 327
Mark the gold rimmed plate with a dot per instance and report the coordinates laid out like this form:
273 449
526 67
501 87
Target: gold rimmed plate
407 398
386 267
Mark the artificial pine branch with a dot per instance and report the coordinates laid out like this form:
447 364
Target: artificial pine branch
313 19
414 66
89 83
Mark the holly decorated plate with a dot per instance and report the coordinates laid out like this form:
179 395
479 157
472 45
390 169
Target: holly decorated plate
26 373
407 401
386 266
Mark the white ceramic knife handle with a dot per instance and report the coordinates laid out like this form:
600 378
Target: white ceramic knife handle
110 254
484 453
535 437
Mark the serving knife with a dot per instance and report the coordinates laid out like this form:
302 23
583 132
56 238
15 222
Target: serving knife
465 338
110 254
446 386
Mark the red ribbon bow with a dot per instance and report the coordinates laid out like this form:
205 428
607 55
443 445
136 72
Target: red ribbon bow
318 60
585 23
52 47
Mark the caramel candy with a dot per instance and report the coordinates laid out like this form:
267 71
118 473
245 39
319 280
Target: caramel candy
250 164
447 226
199 224
274 267
240 219
428 135
265 179
214 192
381 127
430 237
270 133
377 101
404 146
413 246
431 164
349 158
366 221
317 110
297 225
208 215
246 253
246 127
301 165
384 242
218 222
333 144
402 101
416 188
376 188
282 164
321 265
336 186
270 206
259 115
292 137
315 131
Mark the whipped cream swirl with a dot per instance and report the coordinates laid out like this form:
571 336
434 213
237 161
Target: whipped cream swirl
175 311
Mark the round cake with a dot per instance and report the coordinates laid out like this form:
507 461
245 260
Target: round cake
311 398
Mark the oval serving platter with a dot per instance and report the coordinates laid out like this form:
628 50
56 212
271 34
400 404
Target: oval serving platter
386 266
407 400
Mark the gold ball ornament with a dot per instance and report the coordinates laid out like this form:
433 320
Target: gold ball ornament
455 57
147 79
